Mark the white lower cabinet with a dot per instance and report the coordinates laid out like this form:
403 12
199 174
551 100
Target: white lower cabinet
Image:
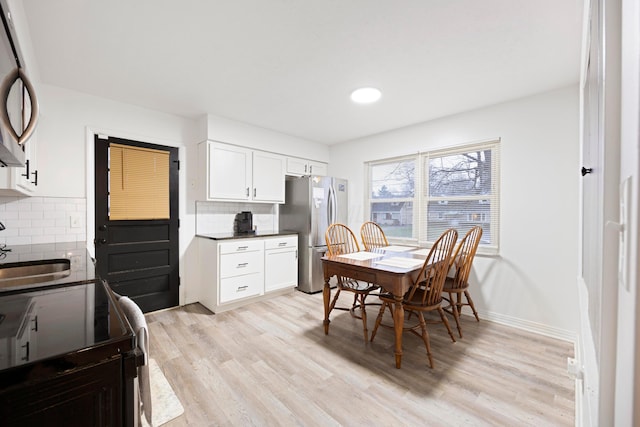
280 263
236 272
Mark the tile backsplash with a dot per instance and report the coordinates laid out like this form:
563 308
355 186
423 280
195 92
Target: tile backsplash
33 220
217 217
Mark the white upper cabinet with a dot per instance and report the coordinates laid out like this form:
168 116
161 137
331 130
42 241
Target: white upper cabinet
299 167
229 172
234 173
16 180
268 177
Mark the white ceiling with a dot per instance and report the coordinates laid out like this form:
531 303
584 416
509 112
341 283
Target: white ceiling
290 65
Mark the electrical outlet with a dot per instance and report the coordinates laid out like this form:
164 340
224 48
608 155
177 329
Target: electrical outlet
75 220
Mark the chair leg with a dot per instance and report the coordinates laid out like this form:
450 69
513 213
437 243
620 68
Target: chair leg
446 323
364 316
378 320
459 302
355 302
456 313
425 338
470 302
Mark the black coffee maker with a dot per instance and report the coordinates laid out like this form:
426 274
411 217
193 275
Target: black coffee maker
243 223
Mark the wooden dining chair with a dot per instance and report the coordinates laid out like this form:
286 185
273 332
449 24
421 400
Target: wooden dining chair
373 236
341 240
457 285
425 293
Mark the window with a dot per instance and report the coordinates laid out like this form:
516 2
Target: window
456 187
391 196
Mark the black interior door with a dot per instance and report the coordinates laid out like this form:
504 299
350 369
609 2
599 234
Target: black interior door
139 258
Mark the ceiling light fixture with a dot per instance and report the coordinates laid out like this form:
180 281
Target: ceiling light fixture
366 95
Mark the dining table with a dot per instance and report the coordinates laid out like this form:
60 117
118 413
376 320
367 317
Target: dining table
393 268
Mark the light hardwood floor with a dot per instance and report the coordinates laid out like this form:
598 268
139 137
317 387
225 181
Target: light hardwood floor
269 364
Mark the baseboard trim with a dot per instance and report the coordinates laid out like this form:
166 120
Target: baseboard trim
530 326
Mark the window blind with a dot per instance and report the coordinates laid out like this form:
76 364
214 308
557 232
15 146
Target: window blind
460 189
138 183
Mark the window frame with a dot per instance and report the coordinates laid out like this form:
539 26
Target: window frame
369 200
421 195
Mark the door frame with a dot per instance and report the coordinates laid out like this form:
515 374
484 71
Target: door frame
183 239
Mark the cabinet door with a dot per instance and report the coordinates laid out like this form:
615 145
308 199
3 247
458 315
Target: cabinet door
87 396
280 269
300 167
20 180
229 172
268 177
296 166
280 263
317 168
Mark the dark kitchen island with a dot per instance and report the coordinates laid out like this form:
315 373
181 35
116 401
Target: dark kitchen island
67 354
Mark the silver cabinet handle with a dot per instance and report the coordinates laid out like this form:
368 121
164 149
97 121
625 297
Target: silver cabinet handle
243 288
5 88
247 191
243 265
242 248
254 192
282 244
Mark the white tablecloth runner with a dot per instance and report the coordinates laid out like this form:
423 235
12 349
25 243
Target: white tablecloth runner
401 262
361 256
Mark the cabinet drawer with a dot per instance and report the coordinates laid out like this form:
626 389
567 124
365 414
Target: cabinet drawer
234 288
236 264
246 245
281 242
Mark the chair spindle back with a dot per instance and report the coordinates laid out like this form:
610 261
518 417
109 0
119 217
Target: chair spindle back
373 236
340 240
429 283
463 256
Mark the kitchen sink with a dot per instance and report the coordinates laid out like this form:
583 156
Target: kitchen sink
31 272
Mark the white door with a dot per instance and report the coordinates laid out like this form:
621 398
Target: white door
599 261
627 405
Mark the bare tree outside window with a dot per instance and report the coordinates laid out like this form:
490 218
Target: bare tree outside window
392 192
459 190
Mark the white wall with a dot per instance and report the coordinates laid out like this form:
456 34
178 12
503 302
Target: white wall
233 132
62 147
532 283
65 154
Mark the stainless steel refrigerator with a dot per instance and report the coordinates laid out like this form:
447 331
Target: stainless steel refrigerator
311 204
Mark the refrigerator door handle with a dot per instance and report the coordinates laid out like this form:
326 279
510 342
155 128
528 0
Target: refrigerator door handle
331 206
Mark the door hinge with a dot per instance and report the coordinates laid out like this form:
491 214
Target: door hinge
103 136
178 163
